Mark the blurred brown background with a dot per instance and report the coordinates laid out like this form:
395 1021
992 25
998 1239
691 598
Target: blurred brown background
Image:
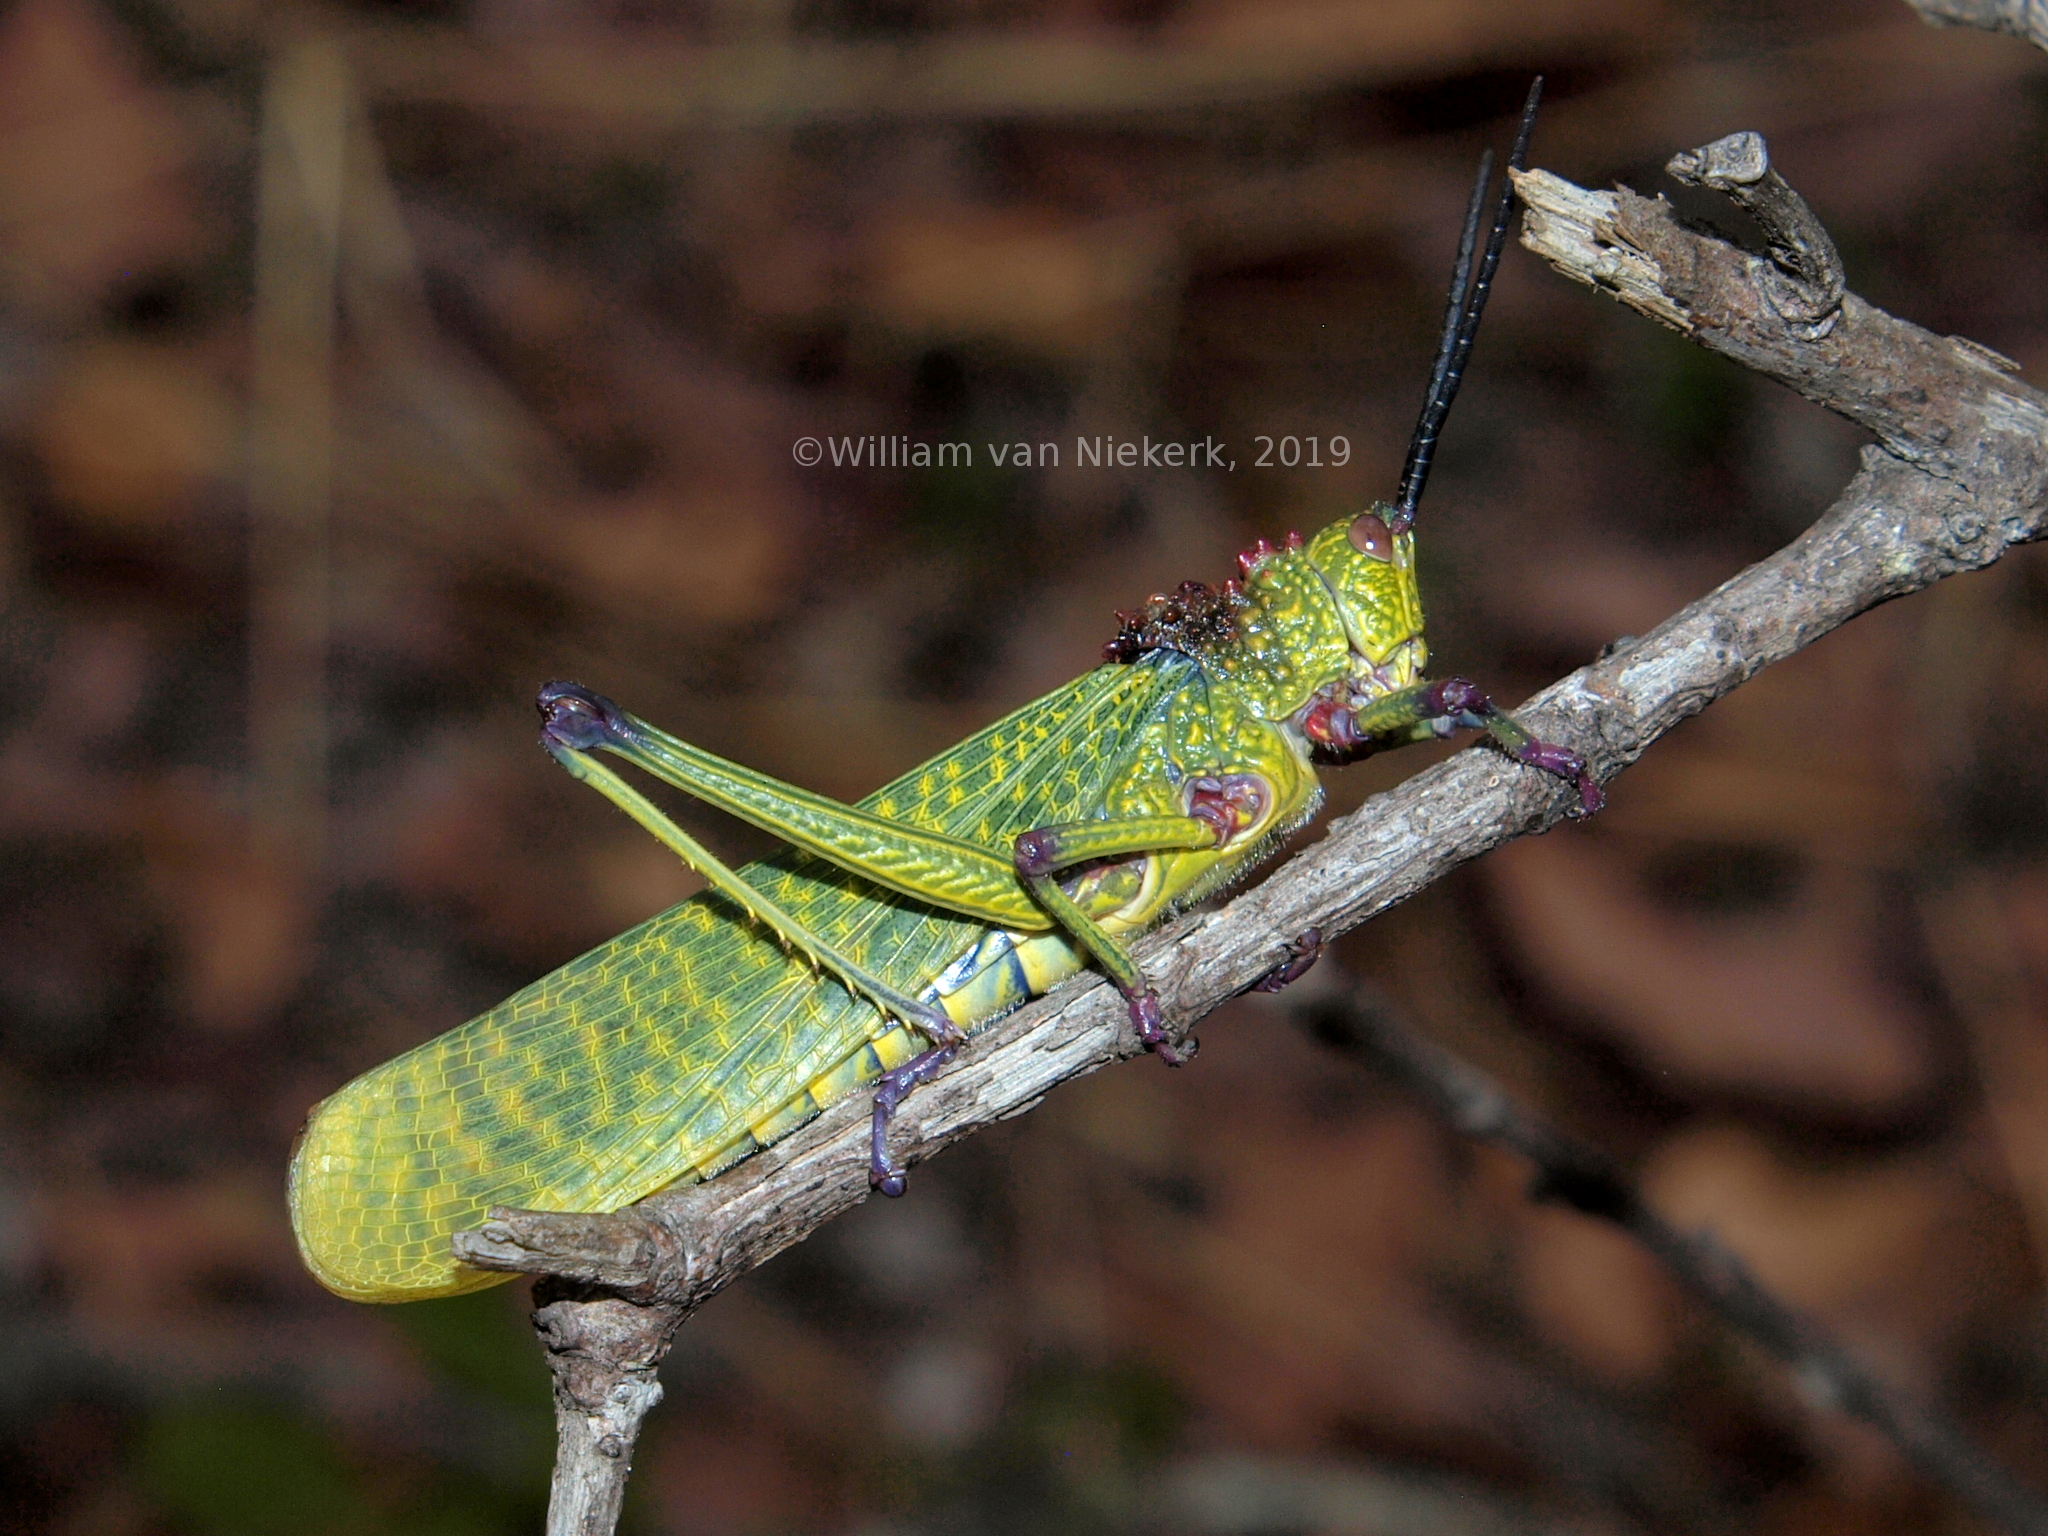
362 367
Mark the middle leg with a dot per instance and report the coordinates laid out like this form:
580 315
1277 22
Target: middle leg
1219 807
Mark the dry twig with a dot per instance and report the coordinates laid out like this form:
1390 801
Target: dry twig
1959 475
2022 18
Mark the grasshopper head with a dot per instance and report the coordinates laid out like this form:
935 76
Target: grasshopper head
1370 571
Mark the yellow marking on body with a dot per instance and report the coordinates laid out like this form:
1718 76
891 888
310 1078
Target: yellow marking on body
1047 960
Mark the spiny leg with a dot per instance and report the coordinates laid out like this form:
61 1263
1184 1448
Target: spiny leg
1040 854
1114 959
567 736
1422 711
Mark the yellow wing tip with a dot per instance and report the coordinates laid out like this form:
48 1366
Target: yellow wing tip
323 1230
424 1281
359 1277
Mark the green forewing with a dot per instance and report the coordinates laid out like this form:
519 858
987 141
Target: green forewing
647 1057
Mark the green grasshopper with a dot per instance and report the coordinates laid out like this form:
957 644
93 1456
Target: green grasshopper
976 880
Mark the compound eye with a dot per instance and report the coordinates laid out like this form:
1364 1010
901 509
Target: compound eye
1370 536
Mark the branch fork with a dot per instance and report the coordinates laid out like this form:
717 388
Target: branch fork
634 1254
1944 404
1803 277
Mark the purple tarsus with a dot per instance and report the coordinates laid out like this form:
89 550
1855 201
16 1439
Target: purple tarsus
1566 764
1463 701
1151 1026
883 1174
1303 952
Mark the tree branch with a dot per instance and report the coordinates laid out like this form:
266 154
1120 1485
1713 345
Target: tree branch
1571 1173
1961 477
603 1350
1941 403
2022 18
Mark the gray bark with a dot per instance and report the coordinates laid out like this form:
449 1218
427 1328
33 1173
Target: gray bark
2022 18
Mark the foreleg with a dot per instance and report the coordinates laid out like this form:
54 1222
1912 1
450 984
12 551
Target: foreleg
1424 711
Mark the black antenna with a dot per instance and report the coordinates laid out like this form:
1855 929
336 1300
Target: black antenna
1454 314
1461 313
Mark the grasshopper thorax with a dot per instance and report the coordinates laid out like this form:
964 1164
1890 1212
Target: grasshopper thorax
1340 612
